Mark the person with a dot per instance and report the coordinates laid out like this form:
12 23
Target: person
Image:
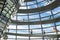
44 32
31 31
55 29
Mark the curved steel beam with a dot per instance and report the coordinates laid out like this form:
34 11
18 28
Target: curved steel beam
41 9
34 35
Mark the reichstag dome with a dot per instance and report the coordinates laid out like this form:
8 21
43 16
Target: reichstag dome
29 19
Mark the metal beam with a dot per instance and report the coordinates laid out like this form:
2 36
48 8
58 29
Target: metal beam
35 35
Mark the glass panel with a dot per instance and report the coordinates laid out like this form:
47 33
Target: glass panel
36 31
57 15
11 39
11 36
32 6
48 25
12 31
22 31
12 27
6 8
58 28
22 26
34 16
35 26
22 38
4 12
56 10
22 18
21 14
30 3
40 4
34 20
45 14
48 29
23 7
57 23
46 18
8 15
23 4
9 2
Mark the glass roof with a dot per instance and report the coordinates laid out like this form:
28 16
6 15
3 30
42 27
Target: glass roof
34 17
34 29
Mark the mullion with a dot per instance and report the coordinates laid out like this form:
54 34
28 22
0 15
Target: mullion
41 27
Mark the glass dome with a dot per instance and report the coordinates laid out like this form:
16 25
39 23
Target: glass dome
36 25
36 28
